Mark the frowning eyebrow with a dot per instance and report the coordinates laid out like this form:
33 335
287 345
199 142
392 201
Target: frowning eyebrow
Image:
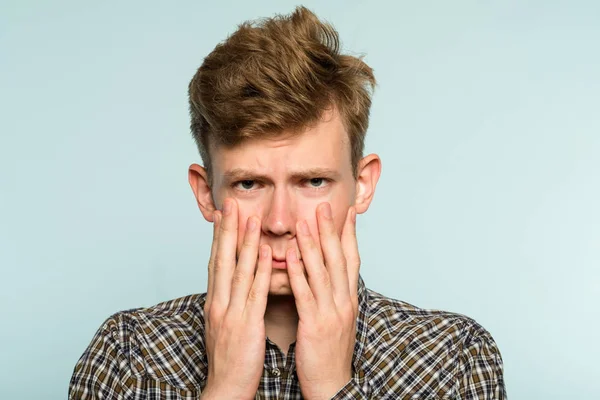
238 174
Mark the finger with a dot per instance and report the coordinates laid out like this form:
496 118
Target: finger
318 277
303 295
213 253
259 292
350 249
243 275
335 262
226 251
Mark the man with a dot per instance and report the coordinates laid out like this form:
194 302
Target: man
279 117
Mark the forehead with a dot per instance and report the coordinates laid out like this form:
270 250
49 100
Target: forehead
324 145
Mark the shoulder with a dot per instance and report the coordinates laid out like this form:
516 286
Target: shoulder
165 312
163 343
146 328
398 314
446 352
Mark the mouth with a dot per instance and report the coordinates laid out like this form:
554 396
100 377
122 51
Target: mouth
279 263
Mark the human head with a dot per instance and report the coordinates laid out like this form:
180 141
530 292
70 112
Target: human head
278 74
276 99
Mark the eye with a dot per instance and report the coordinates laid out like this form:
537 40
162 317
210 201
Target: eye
316 183
246 184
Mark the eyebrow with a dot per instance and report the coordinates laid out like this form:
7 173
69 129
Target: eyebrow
238 174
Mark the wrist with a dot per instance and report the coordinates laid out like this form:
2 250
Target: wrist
214 393
325 391
328 389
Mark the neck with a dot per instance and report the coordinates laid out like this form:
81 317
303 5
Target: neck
281 321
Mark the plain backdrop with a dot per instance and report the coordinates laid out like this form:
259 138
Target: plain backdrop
486 117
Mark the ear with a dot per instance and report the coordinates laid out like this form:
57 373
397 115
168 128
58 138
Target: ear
369 169
198 178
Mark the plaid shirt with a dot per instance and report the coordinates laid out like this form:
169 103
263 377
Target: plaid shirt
401 352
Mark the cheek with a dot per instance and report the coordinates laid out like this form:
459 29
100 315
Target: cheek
307 210
339 208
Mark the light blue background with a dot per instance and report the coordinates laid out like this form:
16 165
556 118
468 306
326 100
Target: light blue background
486 117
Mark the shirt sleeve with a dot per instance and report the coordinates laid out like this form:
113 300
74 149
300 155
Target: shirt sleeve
103 372
351 391
480 368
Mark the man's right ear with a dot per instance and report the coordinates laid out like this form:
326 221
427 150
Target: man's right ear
198 178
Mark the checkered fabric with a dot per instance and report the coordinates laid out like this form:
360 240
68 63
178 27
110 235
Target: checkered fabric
401 352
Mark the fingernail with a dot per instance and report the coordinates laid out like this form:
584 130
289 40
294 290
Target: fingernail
227 207
264 252
327 211
251 224
304 228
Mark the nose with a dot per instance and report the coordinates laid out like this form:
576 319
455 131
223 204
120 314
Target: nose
278 219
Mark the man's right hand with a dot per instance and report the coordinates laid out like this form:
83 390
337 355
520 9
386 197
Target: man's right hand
235 307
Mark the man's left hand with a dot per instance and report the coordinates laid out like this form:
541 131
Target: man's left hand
327 303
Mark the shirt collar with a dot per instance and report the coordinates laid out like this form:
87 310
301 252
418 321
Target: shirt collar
362 325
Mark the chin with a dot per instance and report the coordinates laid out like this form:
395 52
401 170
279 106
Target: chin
280 283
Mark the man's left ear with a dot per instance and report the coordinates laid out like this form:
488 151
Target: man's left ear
369 169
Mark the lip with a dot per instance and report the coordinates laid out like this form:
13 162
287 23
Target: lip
278 264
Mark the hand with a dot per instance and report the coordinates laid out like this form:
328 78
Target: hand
235 307
327 304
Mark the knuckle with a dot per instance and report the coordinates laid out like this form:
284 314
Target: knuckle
225 228
216 230
217 265
213 317
307 242
353 260
355 307
308 297
324 277
228 324
247 245
347 310
254 295
344 268
238 278
296 272
352 232
330 227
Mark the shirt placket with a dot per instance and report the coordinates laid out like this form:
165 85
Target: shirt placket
274 373
290 386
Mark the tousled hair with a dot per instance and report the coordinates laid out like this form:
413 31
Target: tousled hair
274 75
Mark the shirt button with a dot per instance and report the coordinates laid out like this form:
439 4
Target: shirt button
275 372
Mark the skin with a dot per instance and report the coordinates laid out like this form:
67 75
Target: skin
277 184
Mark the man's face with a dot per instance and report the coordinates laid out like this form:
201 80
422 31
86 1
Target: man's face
283 180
